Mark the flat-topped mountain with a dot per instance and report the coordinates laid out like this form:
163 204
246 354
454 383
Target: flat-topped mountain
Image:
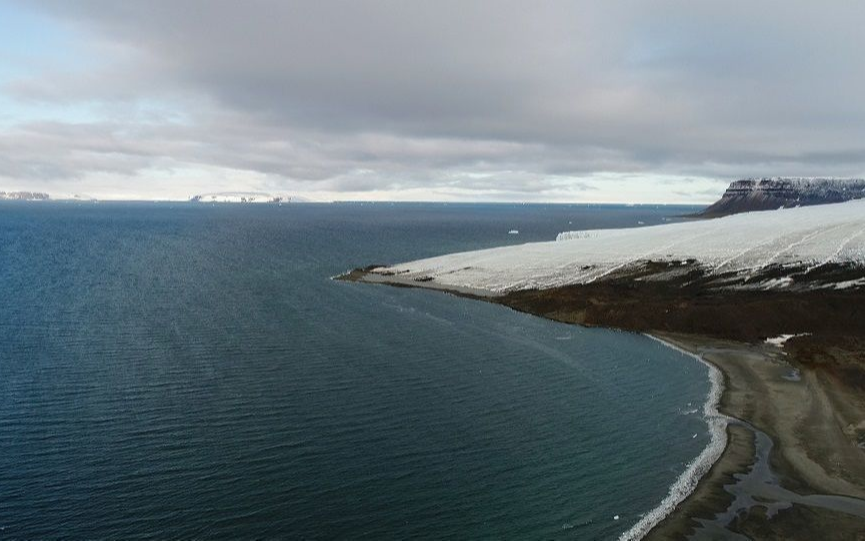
752 194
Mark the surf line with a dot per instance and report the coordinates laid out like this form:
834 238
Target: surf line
687 482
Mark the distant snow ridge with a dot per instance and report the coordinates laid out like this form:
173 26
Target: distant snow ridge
806 183
744 243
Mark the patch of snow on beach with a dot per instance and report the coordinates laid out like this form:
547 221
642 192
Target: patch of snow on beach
780 340
743 243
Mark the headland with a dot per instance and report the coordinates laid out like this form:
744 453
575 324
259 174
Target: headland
778 312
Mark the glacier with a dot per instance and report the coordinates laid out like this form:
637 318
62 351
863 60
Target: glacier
743 244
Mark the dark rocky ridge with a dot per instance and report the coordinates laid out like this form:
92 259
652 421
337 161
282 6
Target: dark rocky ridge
754 194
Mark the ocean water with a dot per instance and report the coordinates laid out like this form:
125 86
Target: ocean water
182 371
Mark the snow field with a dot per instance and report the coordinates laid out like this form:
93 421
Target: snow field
742 243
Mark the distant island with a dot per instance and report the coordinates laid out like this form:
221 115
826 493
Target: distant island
242 197
774 300
216 197
23 196
753 194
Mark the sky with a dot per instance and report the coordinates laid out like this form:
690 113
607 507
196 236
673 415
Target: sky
444 100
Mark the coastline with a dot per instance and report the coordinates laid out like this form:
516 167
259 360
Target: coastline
788 467
702 464
791 496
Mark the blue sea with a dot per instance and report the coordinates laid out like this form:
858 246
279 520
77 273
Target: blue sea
173 370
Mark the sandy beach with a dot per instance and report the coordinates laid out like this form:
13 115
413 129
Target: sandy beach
817 481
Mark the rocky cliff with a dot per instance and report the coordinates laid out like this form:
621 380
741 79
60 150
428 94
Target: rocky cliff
773 193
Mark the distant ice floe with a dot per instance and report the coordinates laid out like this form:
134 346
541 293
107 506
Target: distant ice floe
745 243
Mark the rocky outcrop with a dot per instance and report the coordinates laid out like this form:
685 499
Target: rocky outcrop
754 194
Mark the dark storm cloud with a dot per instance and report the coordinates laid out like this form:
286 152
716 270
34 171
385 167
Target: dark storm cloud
445 92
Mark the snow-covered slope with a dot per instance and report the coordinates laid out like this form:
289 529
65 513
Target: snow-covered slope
744 243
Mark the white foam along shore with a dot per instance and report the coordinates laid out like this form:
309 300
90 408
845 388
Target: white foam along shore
700 466
742 243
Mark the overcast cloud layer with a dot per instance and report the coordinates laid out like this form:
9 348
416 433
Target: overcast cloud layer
595 101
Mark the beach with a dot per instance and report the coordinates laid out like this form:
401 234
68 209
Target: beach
793 466
812 454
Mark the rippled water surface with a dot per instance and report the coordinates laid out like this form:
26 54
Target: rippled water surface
171 370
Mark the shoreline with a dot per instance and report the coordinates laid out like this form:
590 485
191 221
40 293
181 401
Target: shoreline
686 484
811 478
787 493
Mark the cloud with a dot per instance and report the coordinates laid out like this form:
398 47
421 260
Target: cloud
505 97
